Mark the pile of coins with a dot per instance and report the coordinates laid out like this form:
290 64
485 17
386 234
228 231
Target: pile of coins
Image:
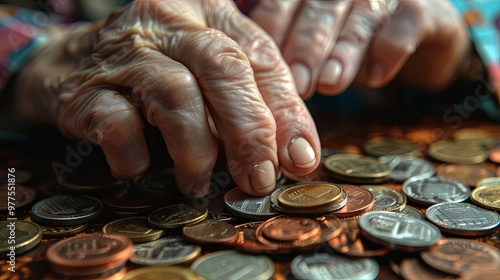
393 199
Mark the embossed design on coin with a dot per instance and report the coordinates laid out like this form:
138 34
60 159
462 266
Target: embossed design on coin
359 201
487 197
66 210
434 190
246 206
382 146
403 168
452 152
309 195
386 199
233 265
167 250
210 232
176 216
356 169
463 218
467 174
325 266
456 255
27 235
135 228
399 231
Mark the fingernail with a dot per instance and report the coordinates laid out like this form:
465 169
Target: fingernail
376 75
263 177
301 153
302 77
331 73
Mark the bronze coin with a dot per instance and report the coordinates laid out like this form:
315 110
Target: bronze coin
291 226
359 201
467 174
289 229
415 269
90 251
350 242
210 232
246 240
135 228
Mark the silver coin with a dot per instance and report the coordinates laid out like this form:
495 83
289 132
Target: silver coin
66 210
386 199
434 190
246 206
398 230
413 212
403 168
463 218
274 199
233 265
326 266
168 250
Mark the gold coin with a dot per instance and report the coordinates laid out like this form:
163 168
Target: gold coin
491 181
161 272
22 235
451 152
382 146
487 197
175 216
309 195
357 169
474 137
135 228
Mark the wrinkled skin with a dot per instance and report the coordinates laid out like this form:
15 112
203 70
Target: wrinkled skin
333 44
198 70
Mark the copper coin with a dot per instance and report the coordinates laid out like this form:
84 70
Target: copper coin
289 229
131 201
457 255
91 252
359 201
210 232
350 242
467 174
22 195
292 226
494 155
415 269
247 240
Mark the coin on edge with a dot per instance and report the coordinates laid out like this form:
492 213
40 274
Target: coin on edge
463 218
468 174
25 234
326 266
487 197
457 255
135 228
161 272
175 216
399 231
233 265
210 232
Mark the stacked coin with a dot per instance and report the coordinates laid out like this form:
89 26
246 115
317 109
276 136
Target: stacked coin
91 256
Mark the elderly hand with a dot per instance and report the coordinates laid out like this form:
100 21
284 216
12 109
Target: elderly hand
331 44
198 70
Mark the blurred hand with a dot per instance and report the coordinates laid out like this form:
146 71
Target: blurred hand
198 70
332 44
